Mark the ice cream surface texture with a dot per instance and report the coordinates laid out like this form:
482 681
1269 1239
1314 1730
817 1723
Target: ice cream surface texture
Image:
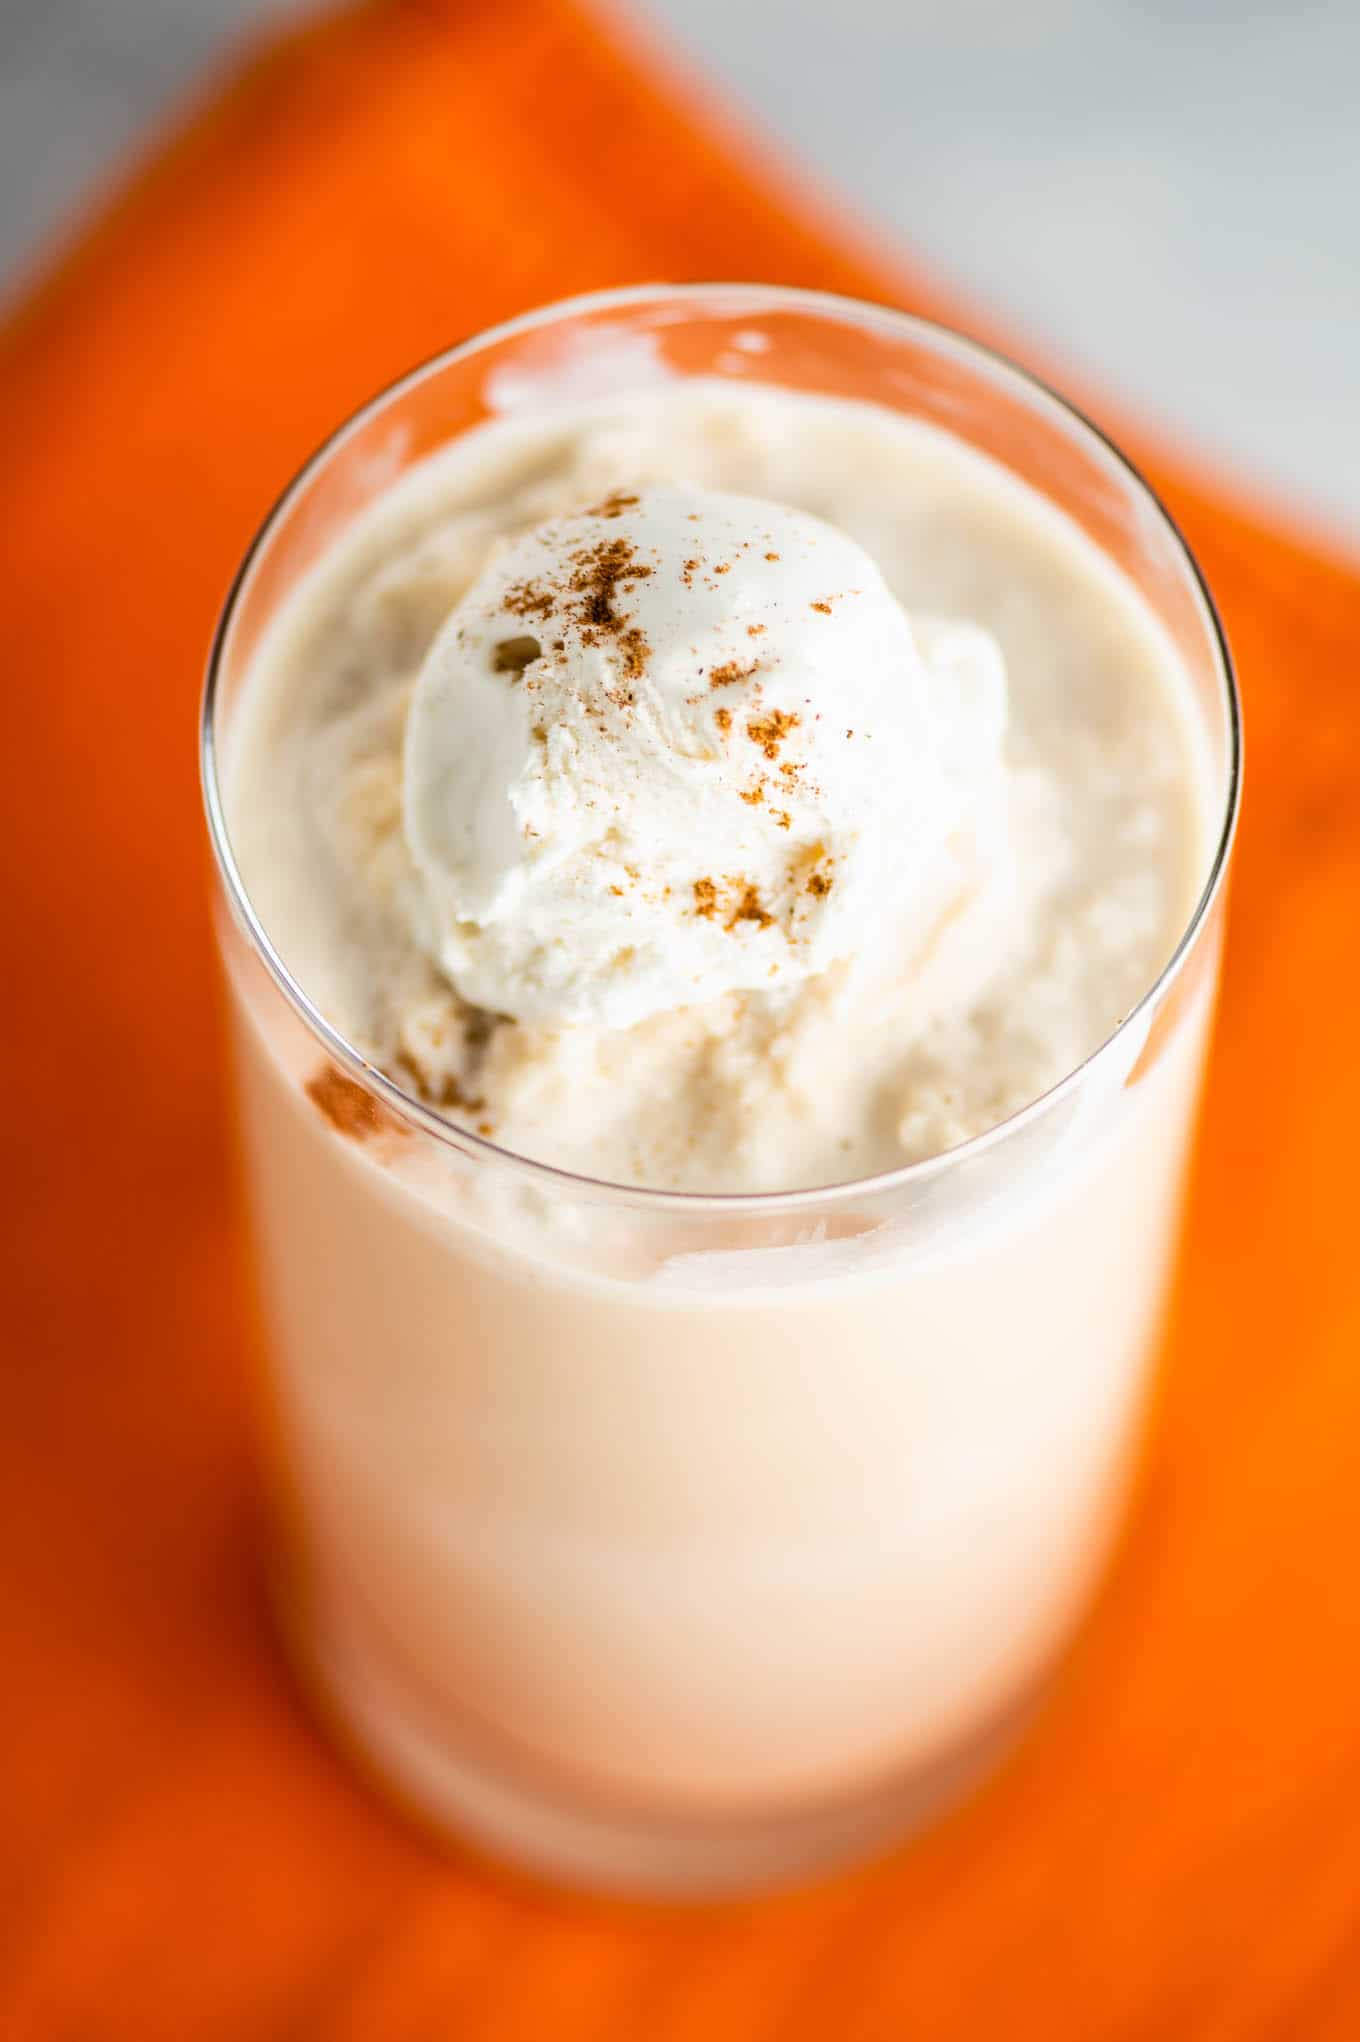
681 744
718 789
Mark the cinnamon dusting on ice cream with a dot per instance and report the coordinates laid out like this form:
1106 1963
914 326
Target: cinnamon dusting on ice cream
588 596
729 675
769 731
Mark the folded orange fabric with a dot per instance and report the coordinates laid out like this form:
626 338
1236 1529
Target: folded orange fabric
1176 1851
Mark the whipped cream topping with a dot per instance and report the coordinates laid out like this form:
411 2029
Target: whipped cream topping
680 744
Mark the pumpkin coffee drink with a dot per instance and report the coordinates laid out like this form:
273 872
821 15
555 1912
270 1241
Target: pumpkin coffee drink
721 862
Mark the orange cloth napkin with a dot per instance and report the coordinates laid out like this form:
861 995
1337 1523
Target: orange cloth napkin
1176 1852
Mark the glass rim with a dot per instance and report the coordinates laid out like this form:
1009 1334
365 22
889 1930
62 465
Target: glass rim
428 1119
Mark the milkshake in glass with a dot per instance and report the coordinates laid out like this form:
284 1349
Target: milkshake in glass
721 798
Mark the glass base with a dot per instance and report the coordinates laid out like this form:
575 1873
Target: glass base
445 1781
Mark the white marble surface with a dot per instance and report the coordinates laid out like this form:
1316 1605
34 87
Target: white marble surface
1164 194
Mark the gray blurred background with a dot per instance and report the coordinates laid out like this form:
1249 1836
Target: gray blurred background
1162 195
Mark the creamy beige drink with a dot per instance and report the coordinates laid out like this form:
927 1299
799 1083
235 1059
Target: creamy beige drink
716 789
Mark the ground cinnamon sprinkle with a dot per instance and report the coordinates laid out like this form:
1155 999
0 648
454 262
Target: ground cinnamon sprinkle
529 599
728 676
348 1107
753 796
723 718
769 731
589 597
614 505
744 906
825 608
754 630
749 908
809 870
600 571
634 647
772 556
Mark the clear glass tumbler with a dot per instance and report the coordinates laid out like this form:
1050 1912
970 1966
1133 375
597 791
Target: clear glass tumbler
674 1542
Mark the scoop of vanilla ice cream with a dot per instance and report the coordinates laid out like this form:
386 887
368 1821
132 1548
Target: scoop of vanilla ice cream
679 745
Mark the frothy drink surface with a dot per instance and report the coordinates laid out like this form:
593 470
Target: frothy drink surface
838 839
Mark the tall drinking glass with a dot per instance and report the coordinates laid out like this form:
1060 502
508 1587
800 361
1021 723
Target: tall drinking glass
682 1542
